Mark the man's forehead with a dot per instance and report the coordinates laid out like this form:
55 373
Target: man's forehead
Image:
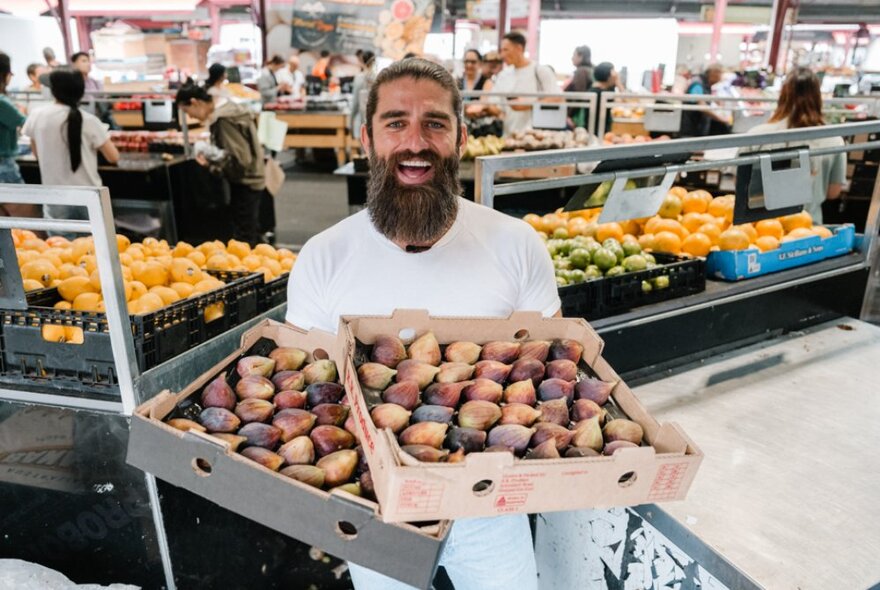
437 97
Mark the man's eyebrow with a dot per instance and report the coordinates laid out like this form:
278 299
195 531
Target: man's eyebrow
393 114
438 115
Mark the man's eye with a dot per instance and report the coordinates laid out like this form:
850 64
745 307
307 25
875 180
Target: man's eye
395 124
436 125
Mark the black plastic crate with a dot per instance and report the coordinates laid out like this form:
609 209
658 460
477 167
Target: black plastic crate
582 300
686 276
273 293
238 301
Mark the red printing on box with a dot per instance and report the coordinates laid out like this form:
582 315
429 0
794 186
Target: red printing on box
667 482
417 497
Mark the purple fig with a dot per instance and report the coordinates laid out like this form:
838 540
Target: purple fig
478 414
456 457
403 393
555 389
425 453
471 440
503 352
320 370
290 399
534 349
254 410
483 389
255 365
527 369
219 420
289 380
388 350
594 389
514 436
498 449
621 429
307 474
261 435
554 411
329 439
350 426
424 433
363 465
562 369
494 370
444 394
233 440
288 358
454 372
463 352
367 489
185 424
218 394
324 392
426 349
390 416
521 392
546 431
293 423
353 488
429 413
583 409
616 445
332 414
516 413
566 349
588 433
418 371
264 457
298 451
545 450
375 375
254 386
338 467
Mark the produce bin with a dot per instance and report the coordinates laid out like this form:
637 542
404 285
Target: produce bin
273 293
734 265
490 484
341 524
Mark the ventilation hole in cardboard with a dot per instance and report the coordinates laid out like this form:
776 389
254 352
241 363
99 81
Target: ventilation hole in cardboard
407 335
202 467
319 354
627 479
346 530
483 487
521 335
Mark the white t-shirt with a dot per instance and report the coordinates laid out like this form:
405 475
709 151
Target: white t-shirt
296 80
530 78
487 264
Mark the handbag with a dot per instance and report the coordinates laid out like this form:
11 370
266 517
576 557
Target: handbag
274 176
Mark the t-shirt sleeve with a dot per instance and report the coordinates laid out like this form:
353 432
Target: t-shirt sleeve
538 290
548 80
838 169
93 132
305 288
10 116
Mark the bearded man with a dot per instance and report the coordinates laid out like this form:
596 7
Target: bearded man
419 245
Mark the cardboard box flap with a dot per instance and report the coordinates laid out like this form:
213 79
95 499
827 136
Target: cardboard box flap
670 439
161 405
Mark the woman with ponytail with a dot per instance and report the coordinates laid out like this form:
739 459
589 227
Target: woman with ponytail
66 141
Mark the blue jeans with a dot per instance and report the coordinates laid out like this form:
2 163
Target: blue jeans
9 173
480 554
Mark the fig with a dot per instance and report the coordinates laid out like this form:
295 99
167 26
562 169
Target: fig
307 474
616 445
255 365
338 467
418 371
594 390
514 436
264 457
375 375
527 369
555 412
351 488
503 352
233 440
517 413
350 426
454 372
498 449
521 392
288 358
493 370
333 414
323 392
588 433
470 440
483 389
429 413
577 452
218 394
426 349
363 465
185 424
289 380
583 409
425 453
424 433
254 386
549 431
463 352
566 349
219 420
545 450
388 351
293 423
390 416
456 457
261 435
367 489
534 349
402 393
556 389
562 369
622 429
290 399
478 414
254 410
298 451
444 394
321 370
329 439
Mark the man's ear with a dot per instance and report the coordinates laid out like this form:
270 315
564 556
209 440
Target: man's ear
463 137
365 139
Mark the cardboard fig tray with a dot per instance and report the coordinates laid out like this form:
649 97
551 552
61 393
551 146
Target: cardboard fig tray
490 484
341 524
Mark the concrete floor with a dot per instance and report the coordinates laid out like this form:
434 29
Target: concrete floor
311 200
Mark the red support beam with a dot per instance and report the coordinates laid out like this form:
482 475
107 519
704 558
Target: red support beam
83 32
534 21
777 26
717 24
502 20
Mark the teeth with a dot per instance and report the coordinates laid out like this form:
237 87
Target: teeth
416 163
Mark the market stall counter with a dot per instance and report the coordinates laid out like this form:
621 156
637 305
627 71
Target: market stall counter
316 129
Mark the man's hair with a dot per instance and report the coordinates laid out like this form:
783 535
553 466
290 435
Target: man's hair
48 53
417 69
515 37
602 72
275 60
78 55
32 68
189 91
713 67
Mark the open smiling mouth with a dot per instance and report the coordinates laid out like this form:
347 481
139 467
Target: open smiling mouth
414 171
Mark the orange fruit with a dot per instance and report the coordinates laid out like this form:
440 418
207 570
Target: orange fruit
214 311
532 219
673 226
25 256
197 257
80 247
267 273
53 256
609 230
62 305
822 231
138 290
218 261
184 290
181 250
671 207
720 206
71 287
206 285
74 334
52 332
631 226
242 249
57 242
767 243
40 270
696 244
650 226
552 221
710 230
34 244
151 274
802 219
646 241
149 302
733 239
184 270
88 262
87 301
678 191
770 227
32 285
798 233
167 294
749 230
695 202
667 241
270 251
692 221
285 253
251 262
576 226
272 265
287 263
122 243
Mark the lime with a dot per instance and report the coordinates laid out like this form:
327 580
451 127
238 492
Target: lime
552 247
562 263
615 271
647 287
631 247
560 233
661 282
580 258
593 272
565 246
635 263
614 246
561 282
649 257
576 276
604 258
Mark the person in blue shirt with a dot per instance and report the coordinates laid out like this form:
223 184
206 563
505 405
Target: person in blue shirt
705 122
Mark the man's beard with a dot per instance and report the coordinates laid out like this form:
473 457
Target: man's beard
413 214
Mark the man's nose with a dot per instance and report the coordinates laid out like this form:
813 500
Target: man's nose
414 139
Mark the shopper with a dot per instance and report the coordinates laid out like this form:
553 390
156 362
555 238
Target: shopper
523 76
700 123
268 84
292 77
360 90
800 105
34 71
49 56
492 65
66 141
473 78
321 69
242 162
82 62
216 82
581 81
11 121
418 245
605 79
